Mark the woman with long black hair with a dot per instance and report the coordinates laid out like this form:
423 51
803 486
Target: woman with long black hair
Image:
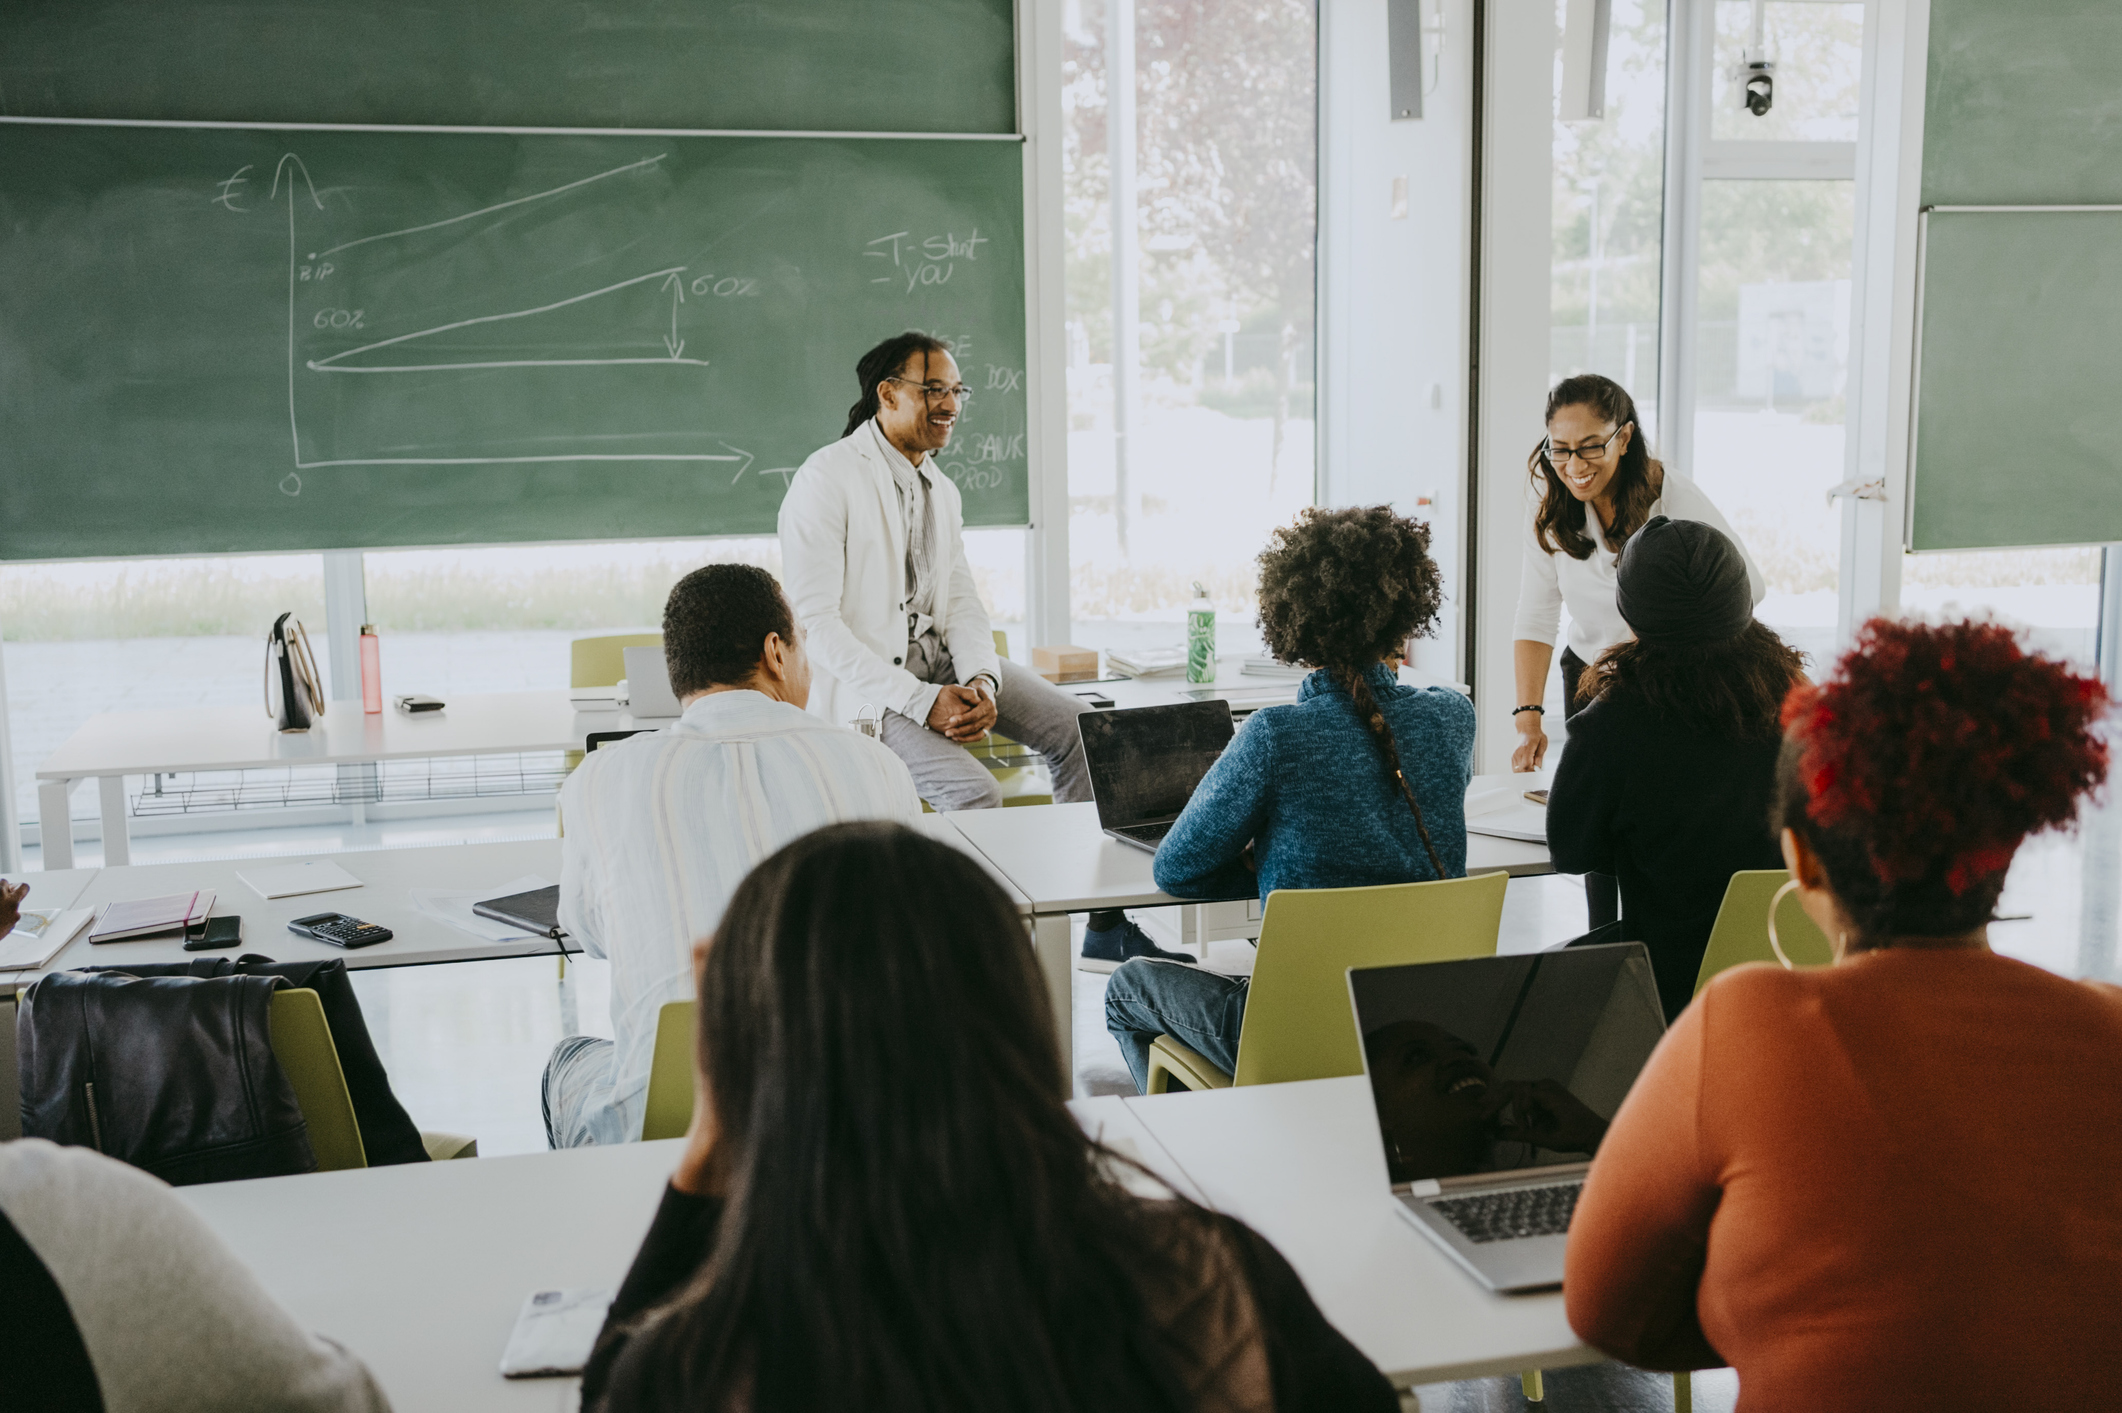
1360 781
1594 483
1664 782
884 1205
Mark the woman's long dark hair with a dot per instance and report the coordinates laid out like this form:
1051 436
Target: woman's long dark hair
885 361
914 1220
1344 590
1734 688
1559 522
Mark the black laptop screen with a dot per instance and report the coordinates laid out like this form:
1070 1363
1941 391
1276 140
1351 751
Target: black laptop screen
1145 761
1497 1063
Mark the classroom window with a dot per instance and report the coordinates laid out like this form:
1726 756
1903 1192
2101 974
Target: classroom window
138 635
2053 594
1609 212
1218 405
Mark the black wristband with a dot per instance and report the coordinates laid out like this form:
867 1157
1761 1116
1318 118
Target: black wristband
1522 710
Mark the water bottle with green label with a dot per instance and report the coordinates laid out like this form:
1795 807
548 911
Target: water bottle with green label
1200 638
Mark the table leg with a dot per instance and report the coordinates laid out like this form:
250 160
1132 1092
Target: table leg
55 823
1052 941
117 840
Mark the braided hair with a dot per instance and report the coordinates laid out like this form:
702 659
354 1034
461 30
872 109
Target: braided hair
1344 590
885 361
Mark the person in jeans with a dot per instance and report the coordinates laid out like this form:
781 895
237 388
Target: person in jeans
1889 1182
660 828
884 1203
1360 781
1665 779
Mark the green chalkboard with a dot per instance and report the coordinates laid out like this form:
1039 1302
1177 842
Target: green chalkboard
818 65
2015 428
2023 102
226 340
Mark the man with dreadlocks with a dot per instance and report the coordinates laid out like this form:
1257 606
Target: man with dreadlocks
873 561
1360 781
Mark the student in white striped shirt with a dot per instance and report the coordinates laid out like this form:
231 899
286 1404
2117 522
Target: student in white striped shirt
662 827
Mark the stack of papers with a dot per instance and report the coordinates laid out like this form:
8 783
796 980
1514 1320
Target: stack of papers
1268 667
1146 662
41 935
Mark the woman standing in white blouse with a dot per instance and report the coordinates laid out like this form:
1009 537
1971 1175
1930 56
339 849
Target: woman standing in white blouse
1594 484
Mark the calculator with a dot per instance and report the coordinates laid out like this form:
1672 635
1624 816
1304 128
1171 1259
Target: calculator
340 930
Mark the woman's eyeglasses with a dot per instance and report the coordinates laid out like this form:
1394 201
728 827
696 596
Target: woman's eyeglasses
1558 456
936 392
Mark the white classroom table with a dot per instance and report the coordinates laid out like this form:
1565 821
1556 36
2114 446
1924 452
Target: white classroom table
420 1269
1302 1164
114 744
387 876
1058 859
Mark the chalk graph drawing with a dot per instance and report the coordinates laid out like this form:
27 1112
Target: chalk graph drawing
631 322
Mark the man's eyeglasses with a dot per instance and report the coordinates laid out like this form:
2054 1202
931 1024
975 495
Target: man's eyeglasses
936 392
1558 456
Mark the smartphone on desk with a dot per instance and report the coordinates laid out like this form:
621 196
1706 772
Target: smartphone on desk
214 934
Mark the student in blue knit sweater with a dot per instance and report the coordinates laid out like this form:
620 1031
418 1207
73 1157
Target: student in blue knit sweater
1360 781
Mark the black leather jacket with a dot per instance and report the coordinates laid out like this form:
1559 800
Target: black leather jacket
175 1075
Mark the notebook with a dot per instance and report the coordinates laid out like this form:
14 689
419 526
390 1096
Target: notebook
41 935
150 917
537 911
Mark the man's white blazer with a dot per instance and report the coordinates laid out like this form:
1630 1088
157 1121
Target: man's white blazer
843 567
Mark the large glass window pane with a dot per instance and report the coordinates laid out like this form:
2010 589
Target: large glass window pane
2052 593
1221 449
1609 216
1772 362
138 635
1816 50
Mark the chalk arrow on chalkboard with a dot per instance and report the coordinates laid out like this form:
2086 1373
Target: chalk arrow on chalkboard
676 285
743 467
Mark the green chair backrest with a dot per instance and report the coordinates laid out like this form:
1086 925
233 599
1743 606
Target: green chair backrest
669 1112
302 1043
1740 933
1298 1024
601 662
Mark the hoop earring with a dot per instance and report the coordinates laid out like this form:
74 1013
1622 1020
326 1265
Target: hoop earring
1775 944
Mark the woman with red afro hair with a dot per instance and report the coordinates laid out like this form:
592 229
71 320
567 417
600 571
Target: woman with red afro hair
1892 1182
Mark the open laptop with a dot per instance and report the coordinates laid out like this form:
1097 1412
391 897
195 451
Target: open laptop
1144 763
1493 1080
648 683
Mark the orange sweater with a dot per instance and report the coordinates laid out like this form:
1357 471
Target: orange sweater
1894 1183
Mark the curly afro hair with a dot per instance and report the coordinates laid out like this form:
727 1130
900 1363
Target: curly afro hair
1343 589
1916 769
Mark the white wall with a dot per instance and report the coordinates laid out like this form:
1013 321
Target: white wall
1518 164
1392 290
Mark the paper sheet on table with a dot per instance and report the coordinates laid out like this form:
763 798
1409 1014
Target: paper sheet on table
452 907
289 880
41 935
1507 814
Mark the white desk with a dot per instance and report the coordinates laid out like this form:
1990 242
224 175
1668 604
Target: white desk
420 1269
1302 1165
388 875
1244 693
114 744
1062 862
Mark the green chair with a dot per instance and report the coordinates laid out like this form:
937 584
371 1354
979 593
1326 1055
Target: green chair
669 1112
1298 1024
1740 933
302 1043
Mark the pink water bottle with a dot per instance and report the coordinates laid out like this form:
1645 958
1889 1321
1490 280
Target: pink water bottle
371 669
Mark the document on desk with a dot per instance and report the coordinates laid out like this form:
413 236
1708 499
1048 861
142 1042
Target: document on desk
1507 814
41 935
554 1333
452 907
288 880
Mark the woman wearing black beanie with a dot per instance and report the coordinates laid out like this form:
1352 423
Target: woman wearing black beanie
1666 776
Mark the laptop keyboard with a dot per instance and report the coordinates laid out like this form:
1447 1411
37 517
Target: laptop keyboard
1519 1211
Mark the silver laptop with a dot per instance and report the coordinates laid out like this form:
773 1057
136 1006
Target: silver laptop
1144 763
1493 1080
648 683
